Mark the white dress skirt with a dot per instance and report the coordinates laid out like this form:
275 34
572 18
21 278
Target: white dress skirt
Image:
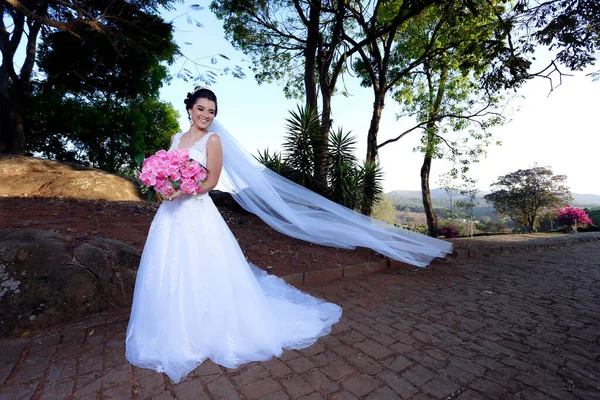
197 298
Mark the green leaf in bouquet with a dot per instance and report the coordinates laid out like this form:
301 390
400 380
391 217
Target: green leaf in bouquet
139 159
151 193
176 184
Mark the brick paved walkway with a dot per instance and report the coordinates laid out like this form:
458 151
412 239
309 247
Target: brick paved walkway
523 325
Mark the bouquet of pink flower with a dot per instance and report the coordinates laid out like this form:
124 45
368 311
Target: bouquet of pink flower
167 171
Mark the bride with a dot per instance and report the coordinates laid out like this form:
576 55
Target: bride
197 298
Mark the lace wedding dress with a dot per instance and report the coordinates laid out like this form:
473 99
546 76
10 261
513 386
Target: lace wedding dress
197 298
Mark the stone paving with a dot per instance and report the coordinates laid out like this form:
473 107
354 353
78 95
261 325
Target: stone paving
516 326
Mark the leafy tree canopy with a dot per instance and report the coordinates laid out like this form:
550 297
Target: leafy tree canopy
523 195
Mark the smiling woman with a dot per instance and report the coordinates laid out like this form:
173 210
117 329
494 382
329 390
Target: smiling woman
196 296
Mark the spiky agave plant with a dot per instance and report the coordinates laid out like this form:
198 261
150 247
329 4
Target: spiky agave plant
371 188
272 161
342 172
301 141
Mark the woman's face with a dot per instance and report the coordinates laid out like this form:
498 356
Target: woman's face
202 113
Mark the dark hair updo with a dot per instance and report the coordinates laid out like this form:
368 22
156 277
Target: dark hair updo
200 93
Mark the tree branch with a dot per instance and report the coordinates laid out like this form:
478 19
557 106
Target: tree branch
64 26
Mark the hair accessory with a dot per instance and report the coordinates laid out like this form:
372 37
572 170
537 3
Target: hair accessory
198 88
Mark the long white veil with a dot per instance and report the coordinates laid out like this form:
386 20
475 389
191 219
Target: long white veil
298 212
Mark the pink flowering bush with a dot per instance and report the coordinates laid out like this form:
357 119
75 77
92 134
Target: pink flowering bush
168 171
571 217
449 231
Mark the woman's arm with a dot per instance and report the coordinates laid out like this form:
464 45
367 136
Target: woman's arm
214 163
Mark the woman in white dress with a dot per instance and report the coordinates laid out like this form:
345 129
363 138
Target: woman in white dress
196 297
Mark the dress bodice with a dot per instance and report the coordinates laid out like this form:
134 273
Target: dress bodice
198 149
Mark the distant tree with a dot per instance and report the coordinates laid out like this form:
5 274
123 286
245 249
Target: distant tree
99 132
446 182
523 195
572 217
594 214
384 211
468 203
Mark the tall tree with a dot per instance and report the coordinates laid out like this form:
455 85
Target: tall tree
306 42
98 107
444 93
99 132
119 23
523 195
569 28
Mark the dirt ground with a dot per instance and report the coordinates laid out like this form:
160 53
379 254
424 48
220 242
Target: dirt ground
130 221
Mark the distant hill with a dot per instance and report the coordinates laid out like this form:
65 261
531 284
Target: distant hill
586 200
411 200
579 200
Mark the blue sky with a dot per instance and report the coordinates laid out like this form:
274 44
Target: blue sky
560 130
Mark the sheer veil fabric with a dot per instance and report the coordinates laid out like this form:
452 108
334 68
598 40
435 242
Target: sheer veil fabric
296 211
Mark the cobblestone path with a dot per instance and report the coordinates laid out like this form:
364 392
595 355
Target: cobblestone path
516 326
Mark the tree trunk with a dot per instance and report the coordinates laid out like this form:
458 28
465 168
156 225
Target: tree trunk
432 219
531 225
321 153
14 89
374 127
18 113
6 125
310 53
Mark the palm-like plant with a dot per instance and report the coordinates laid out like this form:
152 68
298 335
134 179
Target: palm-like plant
371 188
300 142
342 171
272 161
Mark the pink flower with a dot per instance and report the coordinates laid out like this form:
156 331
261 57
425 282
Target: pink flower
161 168
184 155
201 174
162 154
150 165
188 186
174 159
165 189
571 216
186 172
173 172
148 179
194 167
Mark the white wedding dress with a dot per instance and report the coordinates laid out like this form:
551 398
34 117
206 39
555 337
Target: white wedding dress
197 298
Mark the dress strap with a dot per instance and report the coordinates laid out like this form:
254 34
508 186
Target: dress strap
176 140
